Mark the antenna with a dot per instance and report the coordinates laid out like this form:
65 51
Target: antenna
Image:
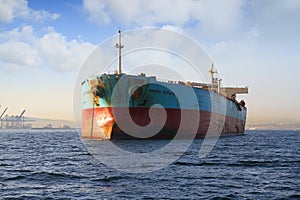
119 46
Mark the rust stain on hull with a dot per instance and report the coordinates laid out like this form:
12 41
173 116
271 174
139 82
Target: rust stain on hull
97 125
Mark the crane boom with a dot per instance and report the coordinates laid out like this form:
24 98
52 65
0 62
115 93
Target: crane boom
3 112
22 113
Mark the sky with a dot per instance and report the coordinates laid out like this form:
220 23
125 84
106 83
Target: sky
254 43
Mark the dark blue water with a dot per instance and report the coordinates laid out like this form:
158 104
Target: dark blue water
38 164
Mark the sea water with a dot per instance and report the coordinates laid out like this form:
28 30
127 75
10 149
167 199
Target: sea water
54 164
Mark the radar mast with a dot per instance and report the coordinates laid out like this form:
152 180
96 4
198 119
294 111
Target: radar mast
212 71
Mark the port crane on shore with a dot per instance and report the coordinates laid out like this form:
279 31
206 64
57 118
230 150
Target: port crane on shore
14 121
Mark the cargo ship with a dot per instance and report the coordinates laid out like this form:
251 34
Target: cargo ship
110 101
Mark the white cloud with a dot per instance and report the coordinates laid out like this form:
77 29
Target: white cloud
277 22
20 47
11 9
172 28
24 33
145 13
211 20
96 11
60 53
42 14
19 53
214 17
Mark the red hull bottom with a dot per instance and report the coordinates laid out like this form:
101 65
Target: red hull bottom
99 123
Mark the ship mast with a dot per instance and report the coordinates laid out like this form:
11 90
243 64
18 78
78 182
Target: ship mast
119 46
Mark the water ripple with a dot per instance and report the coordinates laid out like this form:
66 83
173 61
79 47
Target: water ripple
55 165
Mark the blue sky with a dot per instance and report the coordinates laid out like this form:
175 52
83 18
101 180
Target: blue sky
252 42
